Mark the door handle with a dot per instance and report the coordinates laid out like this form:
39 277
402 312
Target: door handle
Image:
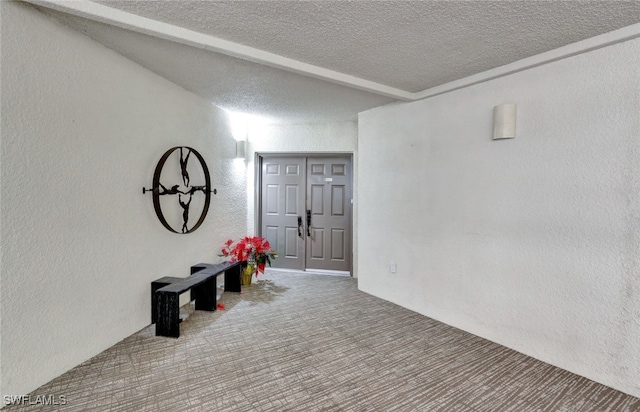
308 222
299 226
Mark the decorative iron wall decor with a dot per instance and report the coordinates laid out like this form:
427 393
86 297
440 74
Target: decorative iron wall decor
184 191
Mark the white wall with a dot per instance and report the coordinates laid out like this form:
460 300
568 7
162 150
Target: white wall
82 131
1 134
338 137
532 243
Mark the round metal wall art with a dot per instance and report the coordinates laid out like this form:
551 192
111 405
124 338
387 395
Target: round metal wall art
182 189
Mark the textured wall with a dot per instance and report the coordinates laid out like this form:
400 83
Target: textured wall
339 137
316 137
1 139
82 131
532 243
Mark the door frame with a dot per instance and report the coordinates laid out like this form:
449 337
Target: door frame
257 187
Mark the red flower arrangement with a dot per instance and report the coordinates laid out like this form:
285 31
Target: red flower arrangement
250 249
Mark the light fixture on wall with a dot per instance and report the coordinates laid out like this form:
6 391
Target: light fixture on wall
240 149
504 121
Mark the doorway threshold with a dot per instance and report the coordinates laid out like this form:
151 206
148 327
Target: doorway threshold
328 272
311 271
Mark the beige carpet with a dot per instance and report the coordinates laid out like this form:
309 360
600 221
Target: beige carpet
307 342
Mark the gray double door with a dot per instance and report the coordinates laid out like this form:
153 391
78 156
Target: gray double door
306 211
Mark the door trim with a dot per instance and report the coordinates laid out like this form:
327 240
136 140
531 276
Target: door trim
257 187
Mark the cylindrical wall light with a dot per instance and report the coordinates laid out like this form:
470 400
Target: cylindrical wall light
504 121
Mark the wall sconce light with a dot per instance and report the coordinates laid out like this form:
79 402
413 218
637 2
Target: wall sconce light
504 121
240 149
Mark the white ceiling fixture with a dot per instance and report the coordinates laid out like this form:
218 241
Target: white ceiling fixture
379 50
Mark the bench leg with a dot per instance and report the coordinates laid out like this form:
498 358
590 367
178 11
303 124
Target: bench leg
154 299
168 322
232 279
205 295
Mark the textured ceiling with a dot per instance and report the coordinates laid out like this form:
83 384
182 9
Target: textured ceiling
234 84
408 45
411 45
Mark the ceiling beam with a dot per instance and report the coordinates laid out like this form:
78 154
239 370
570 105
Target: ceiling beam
139 24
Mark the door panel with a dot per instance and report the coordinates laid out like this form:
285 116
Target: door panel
291 243
291 186
317 200
317 247
271 203
292 200
337 244
338 199
283 200
329 185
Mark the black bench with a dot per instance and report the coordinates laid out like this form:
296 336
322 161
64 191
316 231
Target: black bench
202 286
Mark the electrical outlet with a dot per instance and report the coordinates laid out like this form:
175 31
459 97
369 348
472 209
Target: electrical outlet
393 268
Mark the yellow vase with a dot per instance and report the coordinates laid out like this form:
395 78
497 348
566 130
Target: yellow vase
247 274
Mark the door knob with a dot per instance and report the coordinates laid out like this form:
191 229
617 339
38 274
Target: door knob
308 222
299 226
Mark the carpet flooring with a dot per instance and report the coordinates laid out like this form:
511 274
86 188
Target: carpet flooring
308 342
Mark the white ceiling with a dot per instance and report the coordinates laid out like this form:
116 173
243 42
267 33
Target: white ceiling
310 61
